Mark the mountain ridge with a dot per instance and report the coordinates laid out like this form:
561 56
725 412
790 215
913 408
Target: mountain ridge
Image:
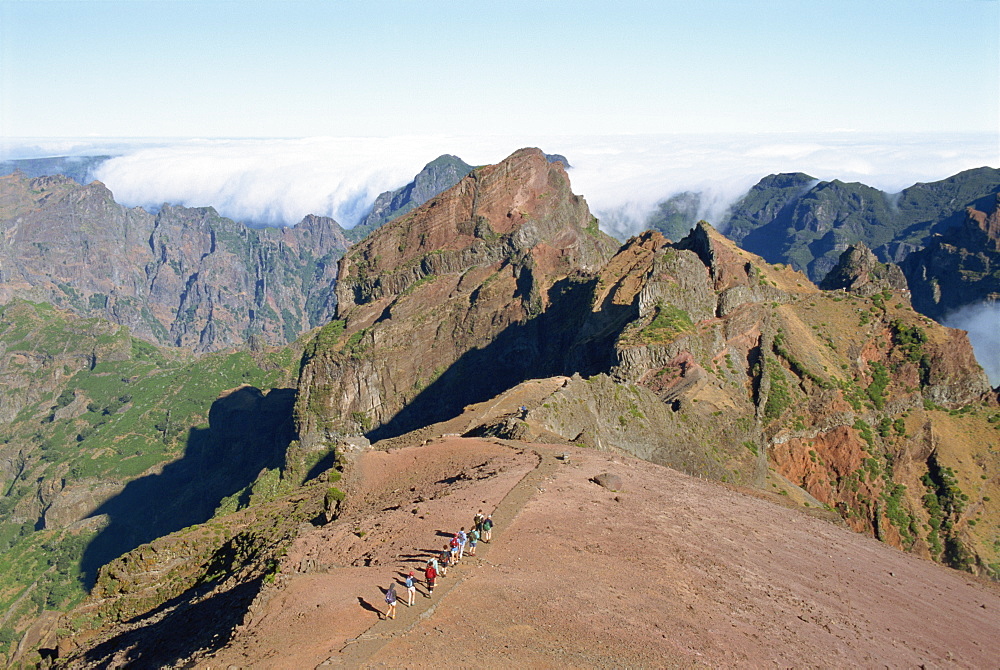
184 276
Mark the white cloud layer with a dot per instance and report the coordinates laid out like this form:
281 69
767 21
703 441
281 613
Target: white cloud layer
623 177
983 323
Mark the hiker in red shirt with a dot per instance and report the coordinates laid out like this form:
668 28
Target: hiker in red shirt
431 574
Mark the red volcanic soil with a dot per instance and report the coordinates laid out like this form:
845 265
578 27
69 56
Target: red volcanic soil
671 571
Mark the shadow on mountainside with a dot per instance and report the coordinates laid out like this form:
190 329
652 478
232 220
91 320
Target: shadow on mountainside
177 629
248 432
568 338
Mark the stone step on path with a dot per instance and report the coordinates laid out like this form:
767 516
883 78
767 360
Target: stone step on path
356 652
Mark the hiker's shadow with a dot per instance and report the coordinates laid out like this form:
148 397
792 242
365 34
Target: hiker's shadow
368 606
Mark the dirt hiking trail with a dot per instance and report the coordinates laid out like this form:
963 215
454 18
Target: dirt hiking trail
671 571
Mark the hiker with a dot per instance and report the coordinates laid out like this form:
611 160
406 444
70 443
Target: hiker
431 574
445 561
411 589
479 518
390 599
487 529
473 541
462 540
454 549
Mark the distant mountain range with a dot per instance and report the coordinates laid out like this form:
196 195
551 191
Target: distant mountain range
184 277
796 219
78 168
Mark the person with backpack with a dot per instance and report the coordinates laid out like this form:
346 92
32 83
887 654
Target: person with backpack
445 561
462 540
390 599
411 589
454 549
431 575
487 529
473 541
478 520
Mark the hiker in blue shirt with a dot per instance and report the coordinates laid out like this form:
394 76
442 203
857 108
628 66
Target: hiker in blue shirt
462 539
411 589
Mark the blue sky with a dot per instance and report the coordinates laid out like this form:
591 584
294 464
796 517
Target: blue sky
375 68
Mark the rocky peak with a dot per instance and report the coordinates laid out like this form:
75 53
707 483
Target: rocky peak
522 206
858 271
323 232
727 267
475 291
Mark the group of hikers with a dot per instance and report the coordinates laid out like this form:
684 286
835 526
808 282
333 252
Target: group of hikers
449 556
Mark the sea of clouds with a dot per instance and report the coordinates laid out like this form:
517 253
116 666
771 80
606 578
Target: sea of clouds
279 181
623 177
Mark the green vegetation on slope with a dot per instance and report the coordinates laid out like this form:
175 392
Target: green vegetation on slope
112 410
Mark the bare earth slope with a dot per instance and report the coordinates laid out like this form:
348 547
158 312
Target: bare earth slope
672 571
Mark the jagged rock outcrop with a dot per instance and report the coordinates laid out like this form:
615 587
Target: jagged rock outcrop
466 276
858 271
184 277
959 267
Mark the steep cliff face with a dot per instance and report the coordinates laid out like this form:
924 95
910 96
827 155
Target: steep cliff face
959 267
441 307
184 277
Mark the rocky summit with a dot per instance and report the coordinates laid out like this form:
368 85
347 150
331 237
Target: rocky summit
451 303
